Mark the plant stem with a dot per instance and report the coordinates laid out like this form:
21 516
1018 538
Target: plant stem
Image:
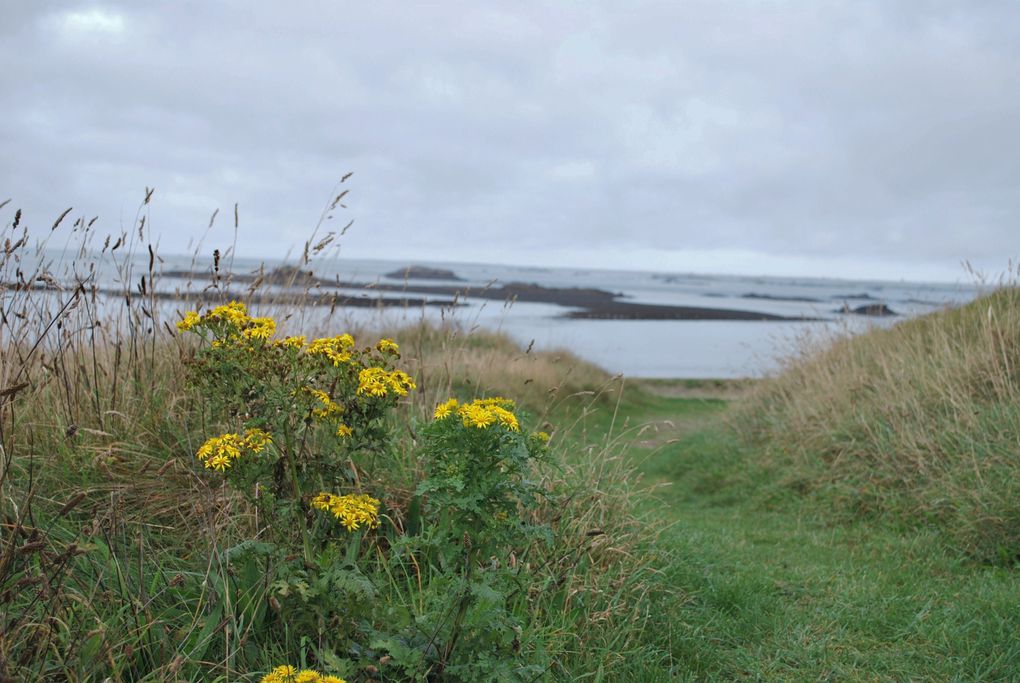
305 541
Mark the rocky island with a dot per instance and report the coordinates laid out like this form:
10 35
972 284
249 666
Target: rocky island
423 273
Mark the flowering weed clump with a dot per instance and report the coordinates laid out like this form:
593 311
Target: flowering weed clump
430 587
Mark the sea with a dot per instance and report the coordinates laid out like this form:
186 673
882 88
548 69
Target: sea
694 349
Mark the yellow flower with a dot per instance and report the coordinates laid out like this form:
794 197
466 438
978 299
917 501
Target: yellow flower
445 409
475 415
256 440
288 674
259 328
220 452
219 461
234 313
482 413
373 382
401 382
191 318
388 346
542 436
337 349
281 674
321 395
291 342
328 408
497 401
344 431
505 418
352 510
378 382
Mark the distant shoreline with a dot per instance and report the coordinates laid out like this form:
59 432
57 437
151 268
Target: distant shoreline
593 304
303 287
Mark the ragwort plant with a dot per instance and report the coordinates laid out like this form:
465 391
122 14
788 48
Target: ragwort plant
436 590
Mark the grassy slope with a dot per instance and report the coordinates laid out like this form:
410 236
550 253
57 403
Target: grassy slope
769 587
919 423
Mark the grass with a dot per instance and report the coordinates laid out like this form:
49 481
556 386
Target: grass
769 585
741 577
851 519
917 423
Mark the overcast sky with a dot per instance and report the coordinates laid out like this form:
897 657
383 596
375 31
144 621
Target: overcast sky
868 139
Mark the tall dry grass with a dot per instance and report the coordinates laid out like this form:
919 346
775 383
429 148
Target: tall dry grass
921 420
454 360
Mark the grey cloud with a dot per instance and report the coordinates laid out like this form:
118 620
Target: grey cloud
883 131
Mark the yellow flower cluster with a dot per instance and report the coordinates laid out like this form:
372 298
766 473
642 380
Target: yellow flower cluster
481 413
291 342
328 407
388 346
352 510
380 382
219 452
259 328
337 349
234 314
289 674
329 410
191 318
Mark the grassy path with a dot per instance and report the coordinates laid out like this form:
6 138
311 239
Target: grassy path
770 586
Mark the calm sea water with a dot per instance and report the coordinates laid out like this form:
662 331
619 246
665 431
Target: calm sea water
659 348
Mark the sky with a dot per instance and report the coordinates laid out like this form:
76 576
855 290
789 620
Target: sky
857 138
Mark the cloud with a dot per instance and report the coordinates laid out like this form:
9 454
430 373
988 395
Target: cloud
862 136
94 20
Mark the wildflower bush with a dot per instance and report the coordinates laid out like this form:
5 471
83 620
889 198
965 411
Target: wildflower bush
414 586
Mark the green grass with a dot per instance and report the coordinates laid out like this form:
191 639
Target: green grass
769 585
745 578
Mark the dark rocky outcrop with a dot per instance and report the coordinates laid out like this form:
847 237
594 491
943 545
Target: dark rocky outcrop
423 273
862 296
873 310
620 310
775 297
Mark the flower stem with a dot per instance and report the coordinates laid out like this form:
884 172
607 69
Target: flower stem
303 524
